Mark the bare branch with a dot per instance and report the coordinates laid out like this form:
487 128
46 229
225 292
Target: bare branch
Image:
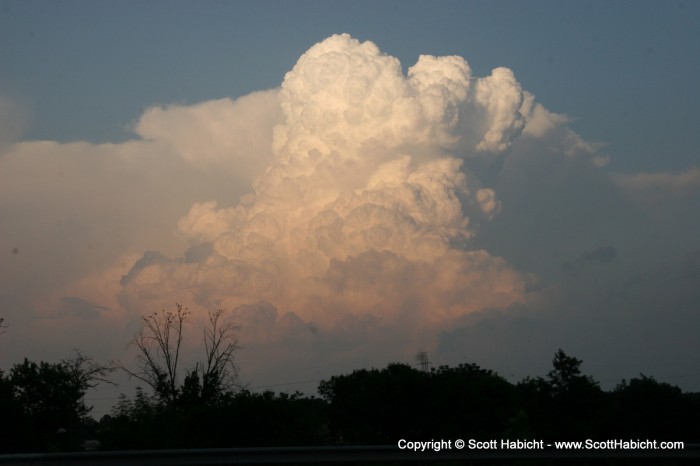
220 344
88 372
158 345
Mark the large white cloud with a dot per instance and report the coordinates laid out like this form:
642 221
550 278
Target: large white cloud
229 136
365 207
77 216
349 218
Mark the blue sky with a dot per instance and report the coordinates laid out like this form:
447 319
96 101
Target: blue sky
222 154
625 71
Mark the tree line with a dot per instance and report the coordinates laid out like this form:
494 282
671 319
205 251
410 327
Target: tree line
42 404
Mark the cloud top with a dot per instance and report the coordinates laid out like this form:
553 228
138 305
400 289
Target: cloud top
365 207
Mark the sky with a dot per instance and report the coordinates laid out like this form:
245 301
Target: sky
355 182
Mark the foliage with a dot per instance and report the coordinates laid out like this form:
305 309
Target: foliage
43 403
379 406
241 419
654 409
565 405
42 406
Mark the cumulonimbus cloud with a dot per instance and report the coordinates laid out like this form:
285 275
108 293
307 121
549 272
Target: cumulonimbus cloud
365 207
339 211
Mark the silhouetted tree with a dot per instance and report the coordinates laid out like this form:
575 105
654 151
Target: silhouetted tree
87 372
578 399
241 419
379 406
652 409
565 405
158 346
472 400
372 406
538 414
270 420
12 421
43 405
375 406
566 376
134 424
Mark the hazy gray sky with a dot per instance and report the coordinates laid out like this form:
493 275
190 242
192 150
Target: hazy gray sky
354 182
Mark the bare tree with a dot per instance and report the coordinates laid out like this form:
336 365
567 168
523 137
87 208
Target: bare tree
158 345
220 344
2 326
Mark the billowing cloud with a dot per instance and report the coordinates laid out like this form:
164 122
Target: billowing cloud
551 127
353 216
230 136
365 207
